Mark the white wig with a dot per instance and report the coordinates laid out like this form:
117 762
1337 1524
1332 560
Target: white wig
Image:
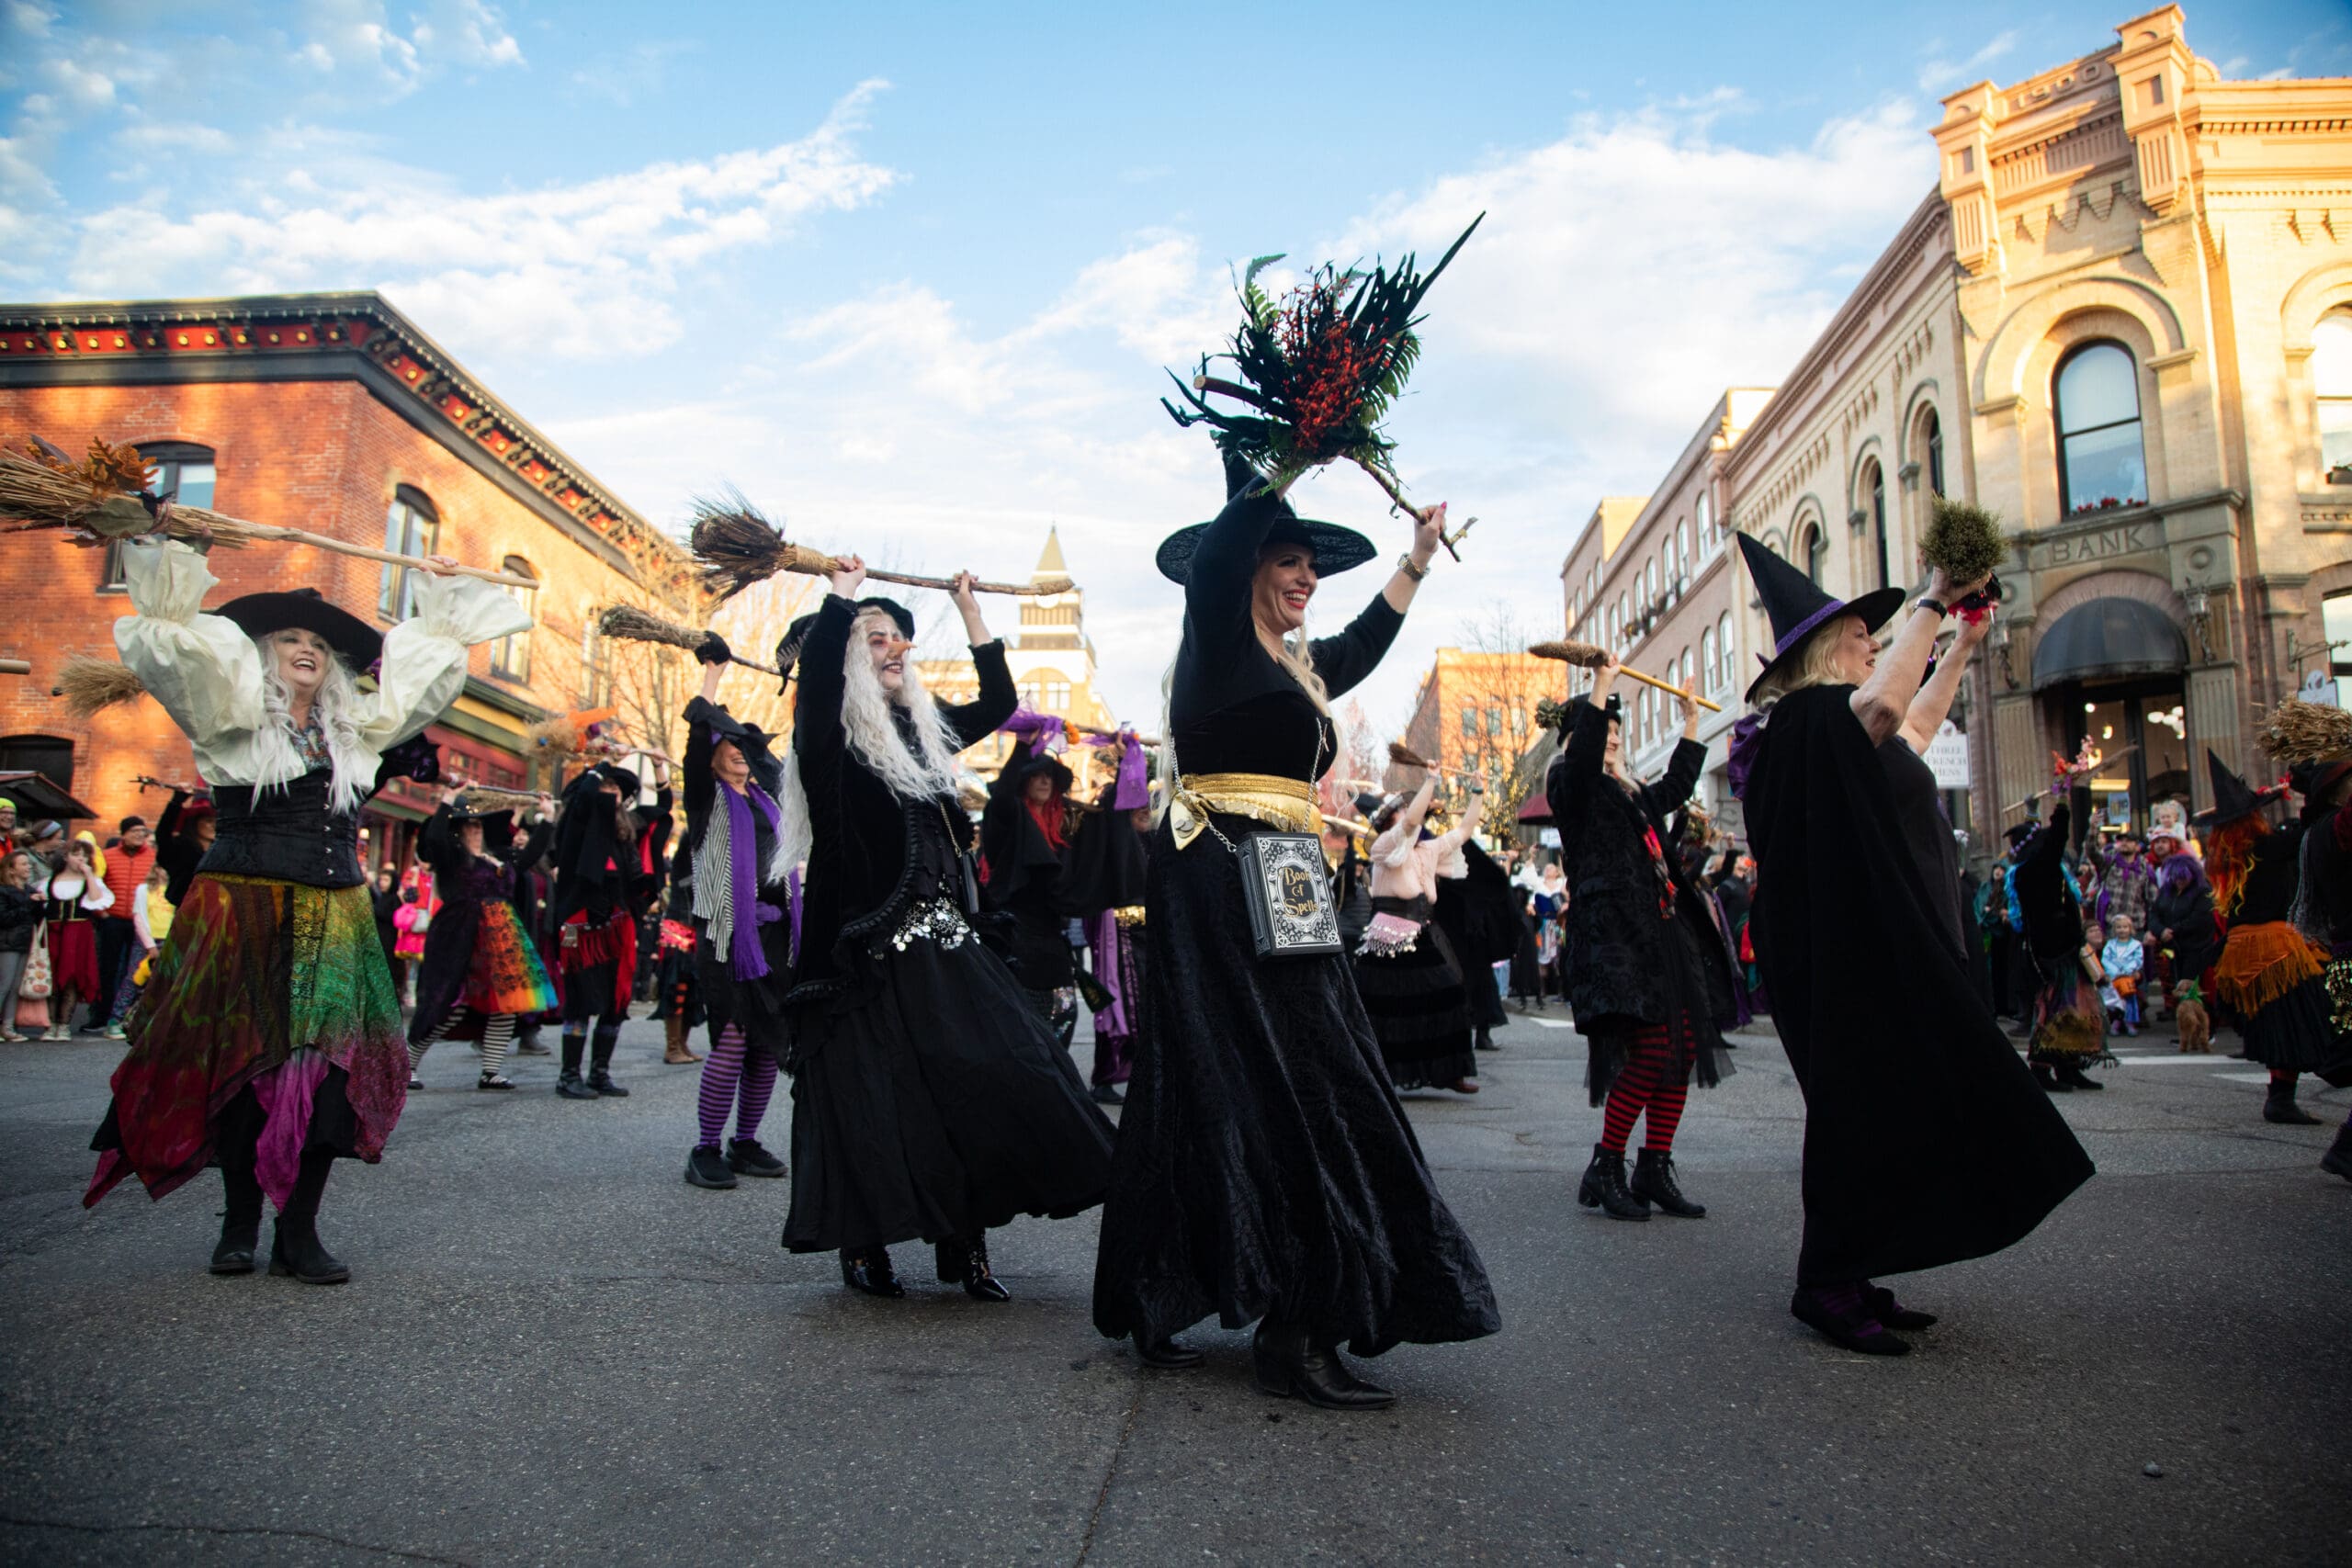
335 705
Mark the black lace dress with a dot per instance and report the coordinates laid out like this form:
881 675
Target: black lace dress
1265 1168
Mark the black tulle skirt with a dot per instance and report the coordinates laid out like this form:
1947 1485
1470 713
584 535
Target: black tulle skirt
1265 1168
937 1105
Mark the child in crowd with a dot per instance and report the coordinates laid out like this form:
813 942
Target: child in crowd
2122 957
151 922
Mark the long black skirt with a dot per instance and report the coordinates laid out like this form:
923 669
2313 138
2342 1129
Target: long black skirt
1265 1168
937 1105
1418 1004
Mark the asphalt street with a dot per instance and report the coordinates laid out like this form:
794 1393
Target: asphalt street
554 1350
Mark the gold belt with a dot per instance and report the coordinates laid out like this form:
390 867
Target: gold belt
1286 804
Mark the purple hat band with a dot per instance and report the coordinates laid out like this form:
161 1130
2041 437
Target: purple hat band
1807 626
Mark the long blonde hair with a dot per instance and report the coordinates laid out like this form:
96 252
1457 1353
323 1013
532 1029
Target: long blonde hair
1814 665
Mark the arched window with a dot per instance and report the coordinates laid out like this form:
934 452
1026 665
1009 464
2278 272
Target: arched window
185 473
2332 380
510 656
1812 551
1707 658
51 756
2100 462
1932 451
1681 551
1651 580
1706 514
1873 493
411 528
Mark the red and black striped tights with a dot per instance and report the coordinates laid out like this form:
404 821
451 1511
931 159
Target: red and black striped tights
1641 1087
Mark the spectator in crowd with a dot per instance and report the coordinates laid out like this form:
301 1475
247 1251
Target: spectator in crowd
8 833
387 901
74 898
151 922
18 914
124 872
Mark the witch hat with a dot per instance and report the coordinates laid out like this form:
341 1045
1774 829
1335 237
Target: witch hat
2233 798
1336 549
357 643
1797 608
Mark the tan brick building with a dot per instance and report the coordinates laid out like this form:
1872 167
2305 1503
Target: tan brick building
335 413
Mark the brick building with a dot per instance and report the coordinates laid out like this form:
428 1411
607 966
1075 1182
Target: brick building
1475 712
335 413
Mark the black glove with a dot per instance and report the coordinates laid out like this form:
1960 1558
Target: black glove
713 650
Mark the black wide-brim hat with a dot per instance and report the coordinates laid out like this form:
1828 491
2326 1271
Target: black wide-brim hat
1024 767
355 642
1336 549
497 827
2234 798
2312 780
756 744
597 775
1797 606
890 607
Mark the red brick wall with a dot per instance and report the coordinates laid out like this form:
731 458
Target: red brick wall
325 455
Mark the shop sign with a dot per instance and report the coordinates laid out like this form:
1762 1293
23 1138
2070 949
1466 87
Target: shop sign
2123 539
1947 756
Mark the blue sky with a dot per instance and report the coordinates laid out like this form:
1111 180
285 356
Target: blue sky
907 273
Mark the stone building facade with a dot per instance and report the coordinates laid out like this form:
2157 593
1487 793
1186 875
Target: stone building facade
336 414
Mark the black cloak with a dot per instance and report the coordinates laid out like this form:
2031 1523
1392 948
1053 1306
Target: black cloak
1105 867
1926 1140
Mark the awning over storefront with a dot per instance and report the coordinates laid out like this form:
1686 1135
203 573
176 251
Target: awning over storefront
2109 639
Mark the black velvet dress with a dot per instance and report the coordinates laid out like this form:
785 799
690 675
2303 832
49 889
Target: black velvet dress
1265 1167
928 1099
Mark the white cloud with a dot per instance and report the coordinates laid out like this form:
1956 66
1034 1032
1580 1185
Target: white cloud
583 271
186 137
1941 76
339 35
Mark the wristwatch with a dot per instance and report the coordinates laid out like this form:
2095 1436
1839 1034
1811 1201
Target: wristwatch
1937 606
1405 564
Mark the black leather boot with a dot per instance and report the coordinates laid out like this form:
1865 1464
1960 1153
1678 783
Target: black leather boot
1654 1182
1169 1355
867 1270
1604 1188
2072 1075
600 1067
1290 1364
2279 1106
2337 1161
240 1223
569 1082
966 1263
296 1249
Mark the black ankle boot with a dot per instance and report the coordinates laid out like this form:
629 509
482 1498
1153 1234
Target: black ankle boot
296 1249
1169 1355
1290 1364
240 1223
2337 1161
867 1270
1654 1182
602 1083
2279 1106
2072 1075
1604 1188
966 1263
569 1086
2049 1085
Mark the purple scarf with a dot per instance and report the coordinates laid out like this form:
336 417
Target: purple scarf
1746 740
745 957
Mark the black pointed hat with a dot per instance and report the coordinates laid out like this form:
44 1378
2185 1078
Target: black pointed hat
1797 608
1336 549
355 642
497 827
2233 797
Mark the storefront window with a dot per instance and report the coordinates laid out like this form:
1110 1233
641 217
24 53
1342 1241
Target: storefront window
2101 463
2332 380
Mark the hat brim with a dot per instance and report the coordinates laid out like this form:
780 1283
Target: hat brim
1336 549
2211 815
1873 607
897 613
355 642
497 827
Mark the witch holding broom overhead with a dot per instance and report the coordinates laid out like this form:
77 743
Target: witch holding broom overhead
1266 1172
268 1040
1926 1141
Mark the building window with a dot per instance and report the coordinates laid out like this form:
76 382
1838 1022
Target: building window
1812 551
51 756
596 666
2100 462
2332 380
1057 696
1874 503
510 656
2336 624
1705 512
184 473
1707 658
411 528
1724 647
1932 451
1681 552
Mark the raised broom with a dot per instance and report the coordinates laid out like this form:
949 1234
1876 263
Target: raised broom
1587 656
101 498
628 621
736 548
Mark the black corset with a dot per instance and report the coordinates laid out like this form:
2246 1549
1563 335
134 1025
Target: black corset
287 833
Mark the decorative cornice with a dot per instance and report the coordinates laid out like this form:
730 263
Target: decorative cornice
357 335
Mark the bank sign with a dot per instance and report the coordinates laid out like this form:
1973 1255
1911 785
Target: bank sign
2103 544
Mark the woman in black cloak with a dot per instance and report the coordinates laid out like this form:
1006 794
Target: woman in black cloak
1023 846
607 875
929 1099
1266 1171
1926 1141
1648 981
480 971
1102 886
1478 910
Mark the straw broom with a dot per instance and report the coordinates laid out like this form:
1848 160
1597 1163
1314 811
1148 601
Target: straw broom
89 685
1586 655
737 547
2300 733
637 626
99 498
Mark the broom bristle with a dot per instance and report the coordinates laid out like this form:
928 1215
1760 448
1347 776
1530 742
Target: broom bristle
2300 733
1404 756
1963 539
734 545
89 684
1584 655
640 626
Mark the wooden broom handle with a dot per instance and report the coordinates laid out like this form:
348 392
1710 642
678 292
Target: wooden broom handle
238 529
1669 686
